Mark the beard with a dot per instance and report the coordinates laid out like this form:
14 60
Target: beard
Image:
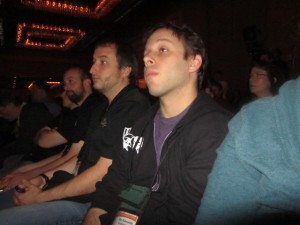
75 97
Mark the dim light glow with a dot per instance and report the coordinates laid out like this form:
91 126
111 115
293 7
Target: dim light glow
51 83
141 83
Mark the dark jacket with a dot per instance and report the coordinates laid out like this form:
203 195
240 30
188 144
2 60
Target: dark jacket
105 128
75 126
72 125
33 117
186 159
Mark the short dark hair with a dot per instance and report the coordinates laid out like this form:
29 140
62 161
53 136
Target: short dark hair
10 96
83 74
125 54
192 42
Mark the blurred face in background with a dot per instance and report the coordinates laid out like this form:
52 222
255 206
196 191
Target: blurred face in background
36 93
259 83
9 112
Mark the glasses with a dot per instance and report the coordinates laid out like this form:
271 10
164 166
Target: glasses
258 75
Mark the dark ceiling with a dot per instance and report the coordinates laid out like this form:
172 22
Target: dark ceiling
42 38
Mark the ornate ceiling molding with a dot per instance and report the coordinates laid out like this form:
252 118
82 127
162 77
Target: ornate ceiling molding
101 9
47 36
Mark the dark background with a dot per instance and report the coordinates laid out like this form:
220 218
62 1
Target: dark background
234 31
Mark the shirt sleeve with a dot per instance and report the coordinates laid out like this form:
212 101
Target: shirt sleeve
229 197
106 195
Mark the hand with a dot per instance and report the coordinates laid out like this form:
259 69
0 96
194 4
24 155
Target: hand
38 182
12 180
3 182
31 195
92 216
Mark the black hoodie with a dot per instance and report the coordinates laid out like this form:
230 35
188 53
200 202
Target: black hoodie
186 159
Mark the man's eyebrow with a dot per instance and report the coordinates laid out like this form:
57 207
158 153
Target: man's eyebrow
158 41
163 40
102 56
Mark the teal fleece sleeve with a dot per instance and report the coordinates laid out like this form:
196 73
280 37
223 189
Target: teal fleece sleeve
230 195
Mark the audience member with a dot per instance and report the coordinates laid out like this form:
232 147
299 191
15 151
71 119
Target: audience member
39 92
218 75
29 118
166 156
265 79
24 172
48 136
70 131
78 90
255 178
114 64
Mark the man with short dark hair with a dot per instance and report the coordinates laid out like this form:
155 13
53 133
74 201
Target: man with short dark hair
113 64
163 162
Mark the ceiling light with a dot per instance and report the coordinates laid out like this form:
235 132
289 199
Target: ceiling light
65 7
47 36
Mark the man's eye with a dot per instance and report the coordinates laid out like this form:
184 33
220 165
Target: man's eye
163 50
103 62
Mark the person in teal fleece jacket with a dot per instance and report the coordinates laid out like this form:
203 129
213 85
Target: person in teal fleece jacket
256 176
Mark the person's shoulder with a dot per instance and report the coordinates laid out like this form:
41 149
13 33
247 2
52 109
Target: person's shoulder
36 110
205 105
131 92
146 117
92 103
131 97
290 92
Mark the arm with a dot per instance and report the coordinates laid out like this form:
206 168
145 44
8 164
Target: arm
39 181
232 187
84 183
73 152
12 179
44 166
48 138
35 165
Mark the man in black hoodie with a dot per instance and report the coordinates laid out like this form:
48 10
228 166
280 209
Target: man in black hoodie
114 64
161 171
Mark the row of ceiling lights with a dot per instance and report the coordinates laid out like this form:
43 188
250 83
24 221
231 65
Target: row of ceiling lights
63 38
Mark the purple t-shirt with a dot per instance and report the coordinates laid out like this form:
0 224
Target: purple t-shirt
162 128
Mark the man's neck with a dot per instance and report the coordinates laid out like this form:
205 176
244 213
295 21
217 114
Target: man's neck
172 106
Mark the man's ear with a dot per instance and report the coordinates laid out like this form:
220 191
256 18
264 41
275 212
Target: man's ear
125 72
195 63
87 83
